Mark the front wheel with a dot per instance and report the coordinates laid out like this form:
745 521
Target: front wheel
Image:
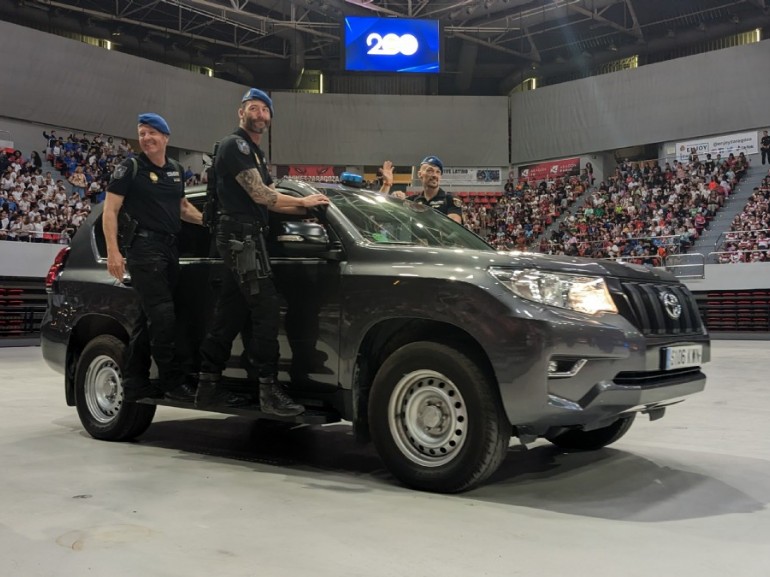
577 440
99 393
436 419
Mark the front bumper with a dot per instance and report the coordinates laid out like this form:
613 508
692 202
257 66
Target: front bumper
620 372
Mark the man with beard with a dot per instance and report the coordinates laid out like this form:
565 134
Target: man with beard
429 173
245 193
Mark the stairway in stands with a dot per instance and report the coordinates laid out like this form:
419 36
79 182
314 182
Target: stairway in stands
734 204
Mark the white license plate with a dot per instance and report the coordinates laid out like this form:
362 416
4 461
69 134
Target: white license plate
683 356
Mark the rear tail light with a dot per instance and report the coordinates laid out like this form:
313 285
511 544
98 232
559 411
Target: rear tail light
58 264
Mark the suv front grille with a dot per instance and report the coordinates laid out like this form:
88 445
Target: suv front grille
642 304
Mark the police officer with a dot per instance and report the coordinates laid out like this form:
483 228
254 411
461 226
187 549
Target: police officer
245 194
150 189
764 146
429 173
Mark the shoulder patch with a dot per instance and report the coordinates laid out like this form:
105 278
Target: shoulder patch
457 202
119 172
243 146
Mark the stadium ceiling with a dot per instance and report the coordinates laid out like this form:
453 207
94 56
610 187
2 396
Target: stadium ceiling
488 43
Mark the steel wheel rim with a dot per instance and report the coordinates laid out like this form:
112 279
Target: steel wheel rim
428 418
103 393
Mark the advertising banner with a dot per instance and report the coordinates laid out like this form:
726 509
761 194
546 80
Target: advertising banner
310 172
549 170
471 176
746 142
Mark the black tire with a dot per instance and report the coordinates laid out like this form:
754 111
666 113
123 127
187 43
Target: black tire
577 440
436 419
99 393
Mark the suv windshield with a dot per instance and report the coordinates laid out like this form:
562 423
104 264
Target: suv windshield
386 220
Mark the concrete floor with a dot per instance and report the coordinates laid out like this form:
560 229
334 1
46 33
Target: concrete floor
202 494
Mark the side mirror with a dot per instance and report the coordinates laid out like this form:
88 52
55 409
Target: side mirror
302 239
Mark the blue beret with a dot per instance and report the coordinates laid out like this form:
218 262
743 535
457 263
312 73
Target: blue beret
154 120
257 94
435 161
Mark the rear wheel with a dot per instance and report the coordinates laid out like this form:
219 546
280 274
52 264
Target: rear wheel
99 393
577 440
436 419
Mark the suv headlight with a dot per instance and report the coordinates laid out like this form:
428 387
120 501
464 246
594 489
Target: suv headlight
586 294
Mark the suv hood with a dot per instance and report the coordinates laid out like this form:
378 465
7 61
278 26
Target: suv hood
557 263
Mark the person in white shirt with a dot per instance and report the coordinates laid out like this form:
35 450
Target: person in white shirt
8 180
37 224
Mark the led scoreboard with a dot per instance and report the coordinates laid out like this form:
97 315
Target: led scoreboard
392 45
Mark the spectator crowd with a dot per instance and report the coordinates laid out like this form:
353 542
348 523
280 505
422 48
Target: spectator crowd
749 236
48 203
642 213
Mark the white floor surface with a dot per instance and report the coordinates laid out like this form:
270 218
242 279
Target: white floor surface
201 494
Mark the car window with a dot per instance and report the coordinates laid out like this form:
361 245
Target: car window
387 220
195 241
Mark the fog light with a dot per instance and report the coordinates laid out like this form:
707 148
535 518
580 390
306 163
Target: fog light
565 368
553 367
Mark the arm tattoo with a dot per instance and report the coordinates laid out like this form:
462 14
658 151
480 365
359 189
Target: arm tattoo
252 183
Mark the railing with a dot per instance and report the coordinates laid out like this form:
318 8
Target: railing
676 264
37 237
722 238
670 242
689 265
718 254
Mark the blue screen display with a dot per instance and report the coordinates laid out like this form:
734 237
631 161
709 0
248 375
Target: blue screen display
392 45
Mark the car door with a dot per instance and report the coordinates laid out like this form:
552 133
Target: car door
309 335
309 288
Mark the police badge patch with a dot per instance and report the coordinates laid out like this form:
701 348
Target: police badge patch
457 202
243 146
119 172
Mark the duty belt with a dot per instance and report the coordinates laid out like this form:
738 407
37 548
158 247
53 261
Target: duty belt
163 237
247 224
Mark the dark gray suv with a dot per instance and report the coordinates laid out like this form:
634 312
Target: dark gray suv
432 344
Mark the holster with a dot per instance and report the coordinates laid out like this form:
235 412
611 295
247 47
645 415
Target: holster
126 230
250 260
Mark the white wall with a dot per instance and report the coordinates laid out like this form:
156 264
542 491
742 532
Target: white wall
26 259
717 92
738 276
58 81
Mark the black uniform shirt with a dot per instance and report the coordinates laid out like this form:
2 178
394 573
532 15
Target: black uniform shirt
765 142
443 202
236 153
153 196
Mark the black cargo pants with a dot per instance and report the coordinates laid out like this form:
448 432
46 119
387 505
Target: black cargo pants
235 305
153 264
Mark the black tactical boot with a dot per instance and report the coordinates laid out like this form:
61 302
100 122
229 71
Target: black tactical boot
207 389
185 392
274 400
135 389
211 395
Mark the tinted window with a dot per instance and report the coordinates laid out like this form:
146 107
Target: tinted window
387 220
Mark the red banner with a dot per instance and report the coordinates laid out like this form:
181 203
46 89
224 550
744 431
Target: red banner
310 172
549 170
